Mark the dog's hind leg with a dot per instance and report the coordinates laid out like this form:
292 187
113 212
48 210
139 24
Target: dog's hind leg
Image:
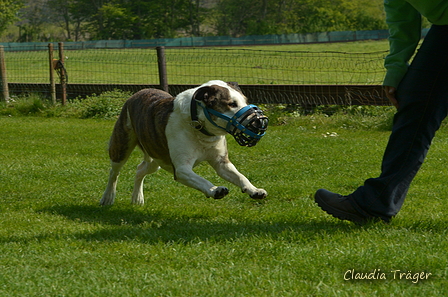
111 188
148 166
122 143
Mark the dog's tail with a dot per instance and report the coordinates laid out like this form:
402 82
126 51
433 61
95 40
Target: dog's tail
123 139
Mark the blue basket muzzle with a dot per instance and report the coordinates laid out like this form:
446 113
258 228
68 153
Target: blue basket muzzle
247 125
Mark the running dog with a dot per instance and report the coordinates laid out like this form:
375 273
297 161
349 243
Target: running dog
177 133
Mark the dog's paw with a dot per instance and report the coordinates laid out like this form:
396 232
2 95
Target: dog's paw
107 200
259 194
138 201
138 198
220 192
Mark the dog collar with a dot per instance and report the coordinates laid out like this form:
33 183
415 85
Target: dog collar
195 122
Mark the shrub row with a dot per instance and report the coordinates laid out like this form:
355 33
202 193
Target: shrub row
108 106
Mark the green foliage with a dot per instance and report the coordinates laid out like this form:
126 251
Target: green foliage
112 22
31 104
137 19
106 105
258 17
350 117
111 19
8 13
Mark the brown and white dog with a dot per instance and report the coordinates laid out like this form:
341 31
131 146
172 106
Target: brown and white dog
176 134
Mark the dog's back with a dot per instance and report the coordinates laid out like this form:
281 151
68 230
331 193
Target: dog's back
142 122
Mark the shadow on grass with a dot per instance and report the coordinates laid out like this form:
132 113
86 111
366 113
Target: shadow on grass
118 224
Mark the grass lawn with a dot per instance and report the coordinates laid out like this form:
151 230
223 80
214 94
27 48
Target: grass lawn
324 63
55 239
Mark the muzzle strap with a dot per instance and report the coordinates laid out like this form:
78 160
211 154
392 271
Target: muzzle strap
195 122
247 125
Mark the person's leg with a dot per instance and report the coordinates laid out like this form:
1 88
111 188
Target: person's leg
423 99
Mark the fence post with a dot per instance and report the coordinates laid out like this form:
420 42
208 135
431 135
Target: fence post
52 84
161 60
3 78
63 77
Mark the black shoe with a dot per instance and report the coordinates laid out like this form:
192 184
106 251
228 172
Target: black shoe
339 207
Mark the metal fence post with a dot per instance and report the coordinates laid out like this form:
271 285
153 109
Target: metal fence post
3 78
161 61
52 83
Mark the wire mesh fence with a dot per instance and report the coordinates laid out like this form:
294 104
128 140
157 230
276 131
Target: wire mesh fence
275 67
299 77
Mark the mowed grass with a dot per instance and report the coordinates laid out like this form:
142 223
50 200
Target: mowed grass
330 63
55 239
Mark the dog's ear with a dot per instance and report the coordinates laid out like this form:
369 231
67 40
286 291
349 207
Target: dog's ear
234 85
207 94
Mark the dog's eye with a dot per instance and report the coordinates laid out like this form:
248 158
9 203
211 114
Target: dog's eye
233 104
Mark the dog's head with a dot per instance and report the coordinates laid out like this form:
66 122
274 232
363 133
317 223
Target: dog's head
225 106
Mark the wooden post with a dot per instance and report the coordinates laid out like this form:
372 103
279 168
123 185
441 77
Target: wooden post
52 84
63 77
161 60
3 78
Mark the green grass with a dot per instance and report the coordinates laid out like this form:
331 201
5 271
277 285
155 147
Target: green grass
279 64
55 240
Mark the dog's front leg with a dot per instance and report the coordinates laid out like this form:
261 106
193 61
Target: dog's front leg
228 171
185 175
